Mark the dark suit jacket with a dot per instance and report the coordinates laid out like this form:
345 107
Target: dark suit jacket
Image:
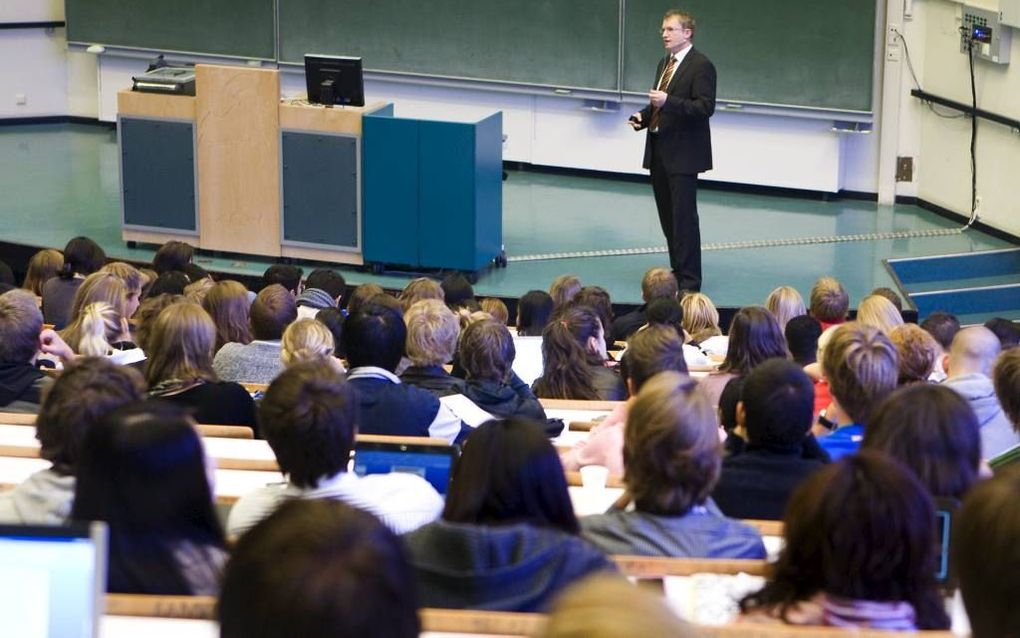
684 137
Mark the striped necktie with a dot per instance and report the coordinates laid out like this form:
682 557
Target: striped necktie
667 75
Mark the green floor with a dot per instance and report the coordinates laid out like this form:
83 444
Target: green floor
58 181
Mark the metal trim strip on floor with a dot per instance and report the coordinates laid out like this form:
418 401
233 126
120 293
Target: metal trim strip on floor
741 245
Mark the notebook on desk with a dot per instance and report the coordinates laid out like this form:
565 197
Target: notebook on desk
52 580
434 463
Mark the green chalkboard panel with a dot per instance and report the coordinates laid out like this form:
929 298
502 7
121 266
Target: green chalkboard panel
813 53
242 28
566 43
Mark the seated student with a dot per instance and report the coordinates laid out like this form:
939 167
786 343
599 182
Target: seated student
574 359
228 305
931 430
487 354
1006 378
917 351
361 295
133 281
432 332
649 351
172 256
984 553
562 291
671 459
1007 331
508 539
969 367
533 312
309 340
877 311
324 288
496 309
172 282
860 552
829 302
318 569
785 303
420 289
100 330
701 321
597 298
286 275
774 414
142 471
943 326
179 368
43 265
309 418
22 339
99 287
87 389
374 339
82 257
259 361
861 366
802 335
657 283
610 607
458 293
754 338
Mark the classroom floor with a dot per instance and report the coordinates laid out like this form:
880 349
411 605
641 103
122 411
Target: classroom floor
62 180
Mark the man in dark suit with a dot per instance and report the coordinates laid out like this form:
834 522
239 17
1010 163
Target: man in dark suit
679 143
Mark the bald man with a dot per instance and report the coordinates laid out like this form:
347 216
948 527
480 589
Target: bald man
971 359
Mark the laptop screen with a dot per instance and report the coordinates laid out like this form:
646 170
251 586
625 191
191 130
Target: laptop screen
52 580
433 463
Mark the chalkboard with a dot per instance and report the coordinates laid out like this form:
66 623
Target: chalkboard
562 43
789 52
242 28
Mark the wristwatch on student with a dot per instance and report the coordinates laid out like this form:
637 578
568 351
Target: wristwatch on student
825 422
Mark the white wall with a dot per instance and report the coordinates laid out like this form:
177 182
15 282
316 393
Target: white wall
944 159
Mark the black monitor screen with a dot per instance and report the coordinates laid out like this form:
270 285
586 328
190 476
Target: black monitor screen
334 79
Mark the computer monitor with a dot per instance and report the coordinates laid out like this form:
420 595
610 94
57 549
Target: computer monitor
52 580
334 79
434 463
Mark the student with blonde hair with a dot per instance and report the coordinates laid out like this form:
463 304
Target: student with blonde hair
308 340
672 458
785 303
876 310
609 607
228 304
99 286
496 309
419 289
133 280
918 351
180 368
101 331
432 333
701 320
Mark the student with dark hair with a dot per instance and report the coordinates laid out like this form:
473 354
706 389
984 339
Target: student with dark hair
172 282
649 351
142 471
754 337
82 257
227 303
486 354
943 326
671 458
508 536
563 289
657 283
361 295
533 312
774 415
259 361
180 368
931 430
374 339
318 569
859 551
309 416
287 275
596 298
891 295
458 293
87 389
324 288
802 335
1007 331
984 553
1006 379
22 338
172 255
862 367
574 359
333 319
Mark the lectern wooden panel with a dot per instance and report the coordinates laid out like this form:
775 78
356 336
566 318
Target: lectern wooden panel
237 110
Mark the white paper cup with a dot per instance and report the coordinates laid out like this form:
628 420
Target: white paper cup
594 476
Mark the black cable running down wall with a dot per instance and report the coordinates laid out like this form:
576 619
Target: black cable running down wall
32 25
966 109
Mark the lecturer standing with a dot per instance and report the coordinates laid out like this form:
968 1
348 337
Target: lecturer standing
679 142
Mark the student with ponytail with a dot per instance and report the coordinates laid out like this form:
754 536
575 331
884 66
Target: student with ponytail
101 332
574 355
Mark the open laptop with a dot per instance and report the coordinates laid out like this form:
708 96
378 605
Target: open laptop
52 580
434 463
